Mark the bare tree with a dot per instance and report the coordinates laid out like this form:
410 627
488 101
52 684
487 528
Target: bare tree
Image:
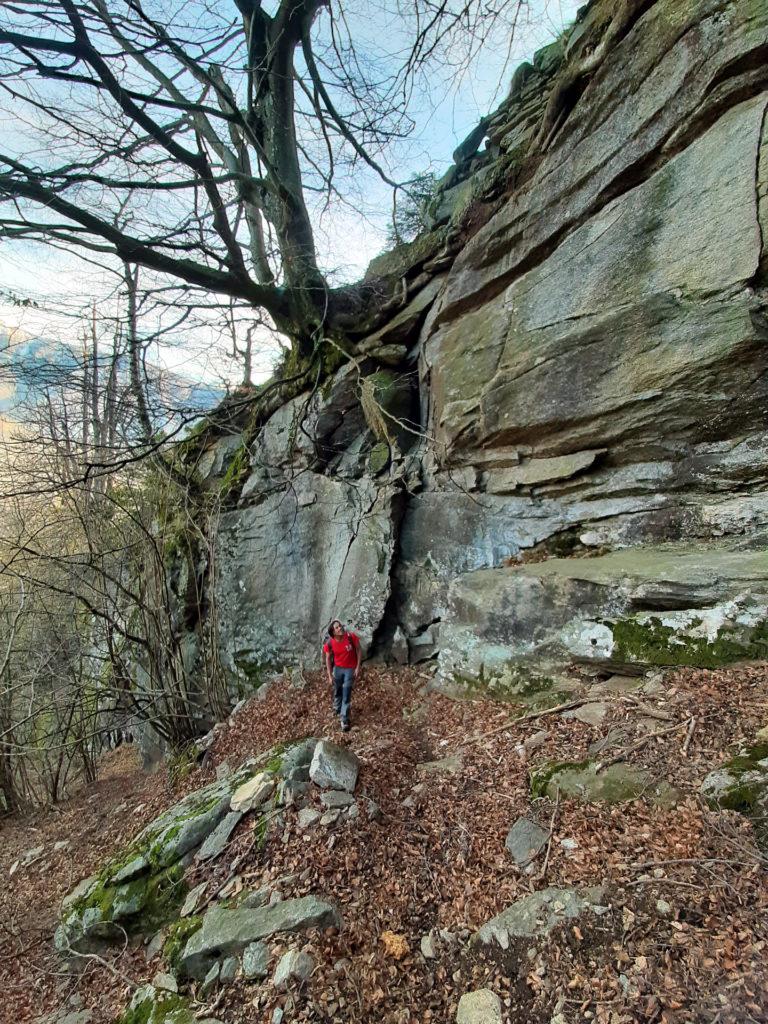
185 138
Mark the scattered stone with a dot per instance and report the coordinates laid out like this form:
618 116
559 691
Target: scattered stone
451 764
569 845
293 965
223 771
525 841
308 817
429 946
229 930
253 793
232 887
481 1007
189 906
663 908
590 714
330 817
229 970
274 897
291 793
619 684
211 978
62 844
155 944
30 856
263 690
217 841
334 767
372 810
335 798
538 914
257 898
256 961
165 981
353 812
277 1015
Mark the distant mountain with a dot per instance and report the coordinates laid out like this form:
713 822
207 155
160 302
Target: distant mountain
30 365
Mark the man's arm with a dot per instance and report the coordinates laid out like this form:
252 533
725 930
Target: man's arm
328 665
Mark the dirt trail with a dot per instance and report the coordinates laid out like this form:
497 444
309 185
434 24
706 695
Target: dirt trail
686 938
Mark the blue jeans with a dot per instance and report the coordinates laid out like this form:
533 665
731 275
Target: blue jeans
342 691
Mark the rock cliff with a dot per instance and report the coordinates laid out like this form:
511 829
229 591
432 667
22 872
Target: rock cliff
554 445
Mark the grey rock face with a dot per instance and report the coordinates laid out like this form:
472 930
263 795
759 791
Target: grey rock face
538 914
334 767
226 931
525 840
590 366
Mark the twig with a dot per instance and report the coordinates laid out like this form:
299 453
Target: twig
689 860
636 746
104 963
544 866
688 736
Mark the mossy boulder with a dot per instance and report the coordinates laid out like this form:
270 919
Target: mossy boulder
741 784
156 1006
143 887
585 781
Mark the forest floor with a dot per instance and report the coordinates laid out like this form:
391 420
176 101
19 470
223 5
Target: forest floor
685 938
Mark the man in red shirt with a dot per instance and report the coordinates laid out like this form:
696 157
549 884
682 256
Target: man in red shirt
342 660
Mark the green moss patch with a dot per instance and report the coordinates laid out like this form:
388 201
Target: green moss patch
614 784
179 933
651 642
158 1008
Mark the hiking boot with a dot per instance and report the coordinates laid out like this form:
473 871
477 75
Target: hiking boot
345 727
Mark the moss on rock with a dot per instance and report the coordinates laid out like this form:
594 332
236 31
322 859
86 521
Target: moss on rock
650 641
176 939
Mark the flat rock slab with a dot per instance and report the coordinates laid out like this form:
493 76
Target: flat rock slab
590 714
334 767
216 842
538 914
611 785
525 841
253 793
335 798
481 1007
226 931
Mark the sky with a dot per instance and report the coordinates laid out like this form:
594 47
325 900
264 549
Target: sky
348 237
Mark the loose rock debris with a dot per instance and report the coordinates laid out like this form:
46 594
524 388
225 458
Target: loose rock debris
682 930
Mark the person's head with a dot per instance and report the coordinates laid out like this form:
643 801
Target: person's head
336 629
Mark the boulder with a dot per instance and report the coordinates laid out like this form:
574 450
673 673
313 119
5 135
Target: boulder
334 767
294 965
227 931
480 1007
539 914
